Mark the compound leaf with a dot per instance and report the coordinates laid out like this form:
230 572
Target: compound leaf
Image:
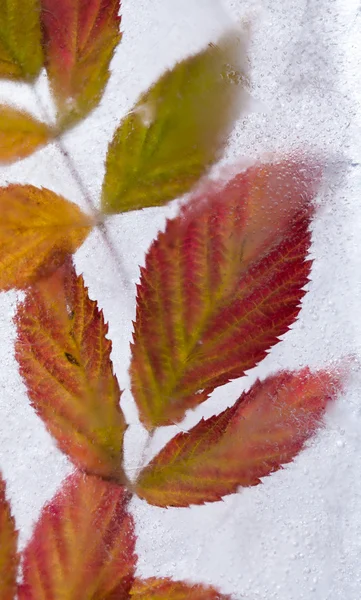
176 131
20 134
82 545
21 54
267 427
64 359
219 287
8 548
80 38
166 589
38 229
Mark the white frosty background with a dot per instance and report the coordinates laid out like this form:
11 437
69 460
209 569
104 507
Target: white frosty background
297 536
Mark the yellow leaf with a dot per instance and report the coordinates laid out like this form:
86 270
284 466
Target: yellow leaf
21 54
177 129
20 134
38 229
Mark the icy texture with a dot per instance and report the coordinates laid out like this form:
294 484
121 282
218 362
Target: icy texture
298 535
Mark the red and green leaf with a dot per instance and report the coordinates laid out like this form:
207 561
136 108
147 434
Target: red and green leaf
266 428
8 548
166 589
82 546
80 38
220 286
38 229
21 53
64 359
177 129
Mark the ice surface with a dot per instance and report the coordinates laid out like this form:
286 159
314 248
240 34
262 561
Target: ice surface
298 535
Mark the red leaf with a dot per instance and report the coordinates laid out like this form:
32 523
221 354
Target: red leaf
8 548
82 546
266 428
80 38
166 589
220 286
64 358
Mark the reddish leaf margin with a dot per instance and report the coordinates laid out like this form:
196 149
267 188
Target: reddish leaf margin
220 286
83 544
64 359
167 589
9 558
266 428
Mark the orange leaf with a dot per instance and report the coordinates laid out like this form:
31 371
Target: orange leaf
64 358
166 589
82 546
38 229
20 134
267 427
80 38
219 287
8 549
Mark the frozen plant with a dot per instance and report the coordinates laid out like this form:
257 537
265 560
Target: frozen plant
219 287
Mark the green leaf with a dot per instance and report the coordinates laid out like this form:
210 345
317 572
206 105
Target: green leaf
177 129
21 54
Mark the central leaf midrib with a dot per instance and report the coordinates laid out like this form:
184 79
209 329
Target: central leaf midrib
199 332
213 309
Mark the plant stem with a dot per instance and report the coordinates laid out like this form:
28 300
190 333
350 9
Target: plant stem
142 460
118 259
